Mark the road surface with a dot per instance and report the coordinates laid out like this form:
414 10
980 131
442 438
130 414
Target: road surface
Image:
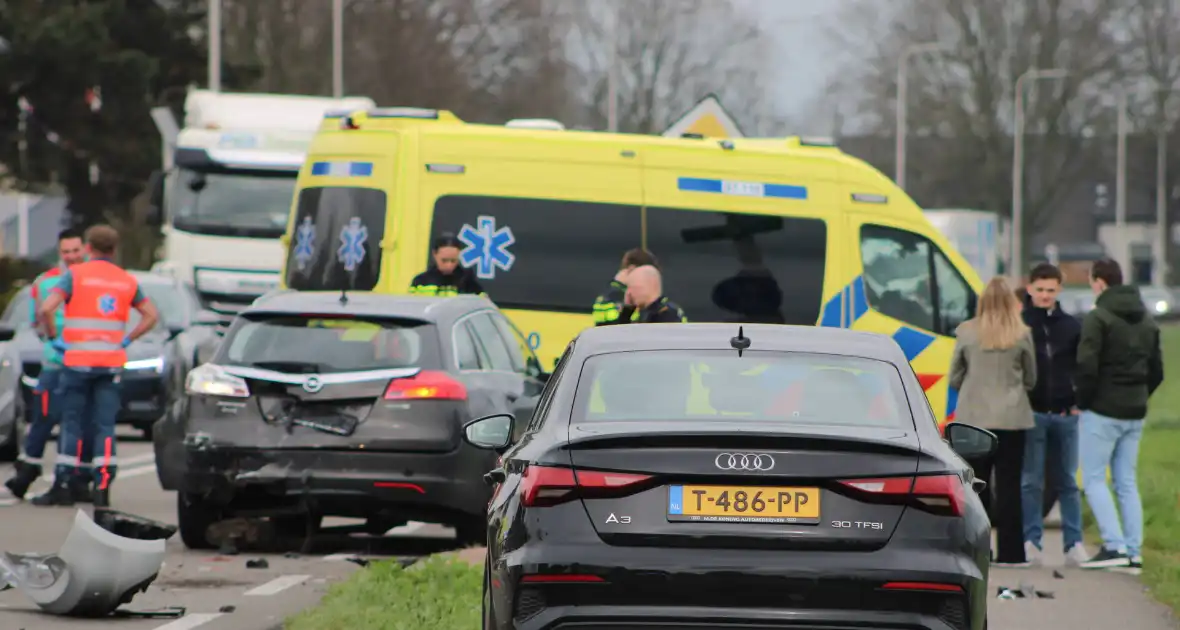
202 582
205 583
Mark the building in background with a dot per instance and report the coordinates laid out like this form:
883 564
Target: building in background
29 225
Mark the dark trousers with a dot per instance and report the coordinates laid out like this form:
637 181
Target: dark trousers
90 405
44 416
1003 501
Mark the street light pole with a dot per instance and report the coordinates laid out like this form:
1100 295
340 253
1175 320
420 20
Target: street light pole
1120 195
338 48
1017 247
1160 267
903 90
215 45
612 76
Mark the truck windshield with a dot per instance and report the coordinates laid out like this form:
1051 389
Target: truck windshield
231 203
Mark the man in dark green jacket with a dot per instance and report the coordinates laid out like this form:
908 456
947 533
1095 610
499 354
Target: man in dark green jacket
1119 367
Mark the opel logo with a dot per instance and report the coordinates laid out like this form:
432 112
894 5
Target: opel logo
312 385
744 461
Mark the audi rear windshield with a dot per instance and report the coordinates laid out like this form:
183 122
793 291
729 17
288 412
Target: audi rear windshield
323 345
786 387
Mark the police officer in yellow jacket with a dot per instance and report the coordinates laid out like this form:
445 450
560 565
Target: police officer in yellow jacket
645 294
610 307
446 278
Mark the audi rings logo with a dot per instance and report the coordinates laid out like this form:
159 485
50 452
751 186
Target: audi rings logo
744 461
312 385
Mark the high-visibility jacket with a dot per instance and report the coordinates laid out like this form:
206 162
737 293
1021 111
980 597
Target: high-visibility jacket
100 300
44 283
434 283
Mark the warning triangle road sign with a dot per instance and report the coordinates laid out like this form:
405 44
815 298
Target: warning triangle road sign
707 118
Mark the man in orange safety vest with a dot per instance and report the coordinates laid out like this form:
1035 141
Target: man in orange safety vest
98 297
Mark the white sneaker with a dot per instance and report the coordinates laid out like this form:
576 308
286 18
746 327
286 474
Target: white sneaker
1032 554
1076 555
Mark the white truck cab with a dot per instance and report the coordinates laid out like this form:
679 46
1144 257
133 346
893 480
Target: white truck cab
223 199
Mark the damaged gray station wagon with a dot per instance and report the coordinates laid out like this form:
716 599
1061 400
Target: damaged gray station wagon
327 404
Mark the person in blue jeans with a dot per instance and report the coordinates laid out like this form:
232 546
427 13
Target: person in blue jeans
1055 335
1119 367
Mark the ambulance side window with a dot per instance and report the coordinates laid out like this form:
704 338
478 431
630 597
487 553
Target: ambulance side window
734 267
956 298
897 276
908 278
540 254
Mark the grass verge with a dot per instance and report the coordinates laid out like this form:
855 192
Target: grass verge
435 594
1159 480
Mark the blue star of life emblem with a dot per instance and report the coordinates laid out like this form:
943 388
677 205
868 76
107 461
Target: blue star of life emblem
304 242
106 304
352 244
487 248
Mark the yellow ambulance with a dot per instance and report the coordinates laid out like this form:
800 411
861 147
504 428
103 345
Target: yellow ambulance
788 230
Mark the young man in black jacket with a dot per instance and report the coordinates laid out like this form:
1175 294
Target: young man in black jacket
1055 334
1119 368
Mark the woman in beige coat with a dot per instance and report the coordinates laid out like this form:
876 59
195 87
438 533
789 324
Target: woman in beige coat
993 368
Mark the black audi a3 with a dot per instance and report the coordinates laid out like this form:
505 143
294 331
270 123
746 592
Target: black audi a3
712 476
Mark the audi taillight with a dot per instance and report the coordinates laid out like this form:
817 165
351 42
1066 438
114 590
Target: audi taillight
426 385
938 494
545 486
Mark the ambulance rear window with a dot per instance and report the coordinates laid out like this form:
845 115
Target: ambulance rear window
336 243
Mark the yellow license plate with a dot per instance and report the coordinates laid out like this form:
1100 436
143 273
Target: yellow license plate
743 504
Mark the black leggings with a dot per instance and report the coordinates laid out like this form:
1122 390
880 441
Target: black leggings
1002 499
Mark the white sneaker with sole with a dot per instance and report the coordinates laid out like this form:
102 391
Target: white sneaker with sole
1032 553
1076 555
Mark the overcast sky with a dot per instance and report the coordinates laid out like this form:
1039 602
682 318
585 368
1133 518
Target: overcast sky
805 59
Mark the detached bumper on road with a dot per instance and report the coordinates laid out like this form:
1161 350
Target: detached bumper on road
426 487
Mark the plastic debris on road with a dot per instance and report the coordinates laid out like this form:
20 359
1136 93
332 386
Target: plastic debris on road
100 566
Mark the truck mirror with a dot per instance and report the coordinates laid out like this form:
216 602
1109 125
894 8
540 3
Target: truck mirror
156 197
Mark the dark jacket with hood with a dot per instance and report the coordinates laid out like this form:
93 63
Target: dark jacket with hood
1055 334
1119 363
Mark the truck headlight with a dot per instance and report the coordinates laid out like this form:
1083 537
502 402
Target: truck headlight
212 380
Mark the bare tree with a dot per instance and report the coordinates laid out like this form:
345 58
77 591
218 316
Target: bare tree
964 94
669 55
484 59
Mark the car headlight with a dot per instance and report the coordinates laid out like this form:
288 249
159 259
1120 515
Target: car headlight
155 364
1161 306
212 380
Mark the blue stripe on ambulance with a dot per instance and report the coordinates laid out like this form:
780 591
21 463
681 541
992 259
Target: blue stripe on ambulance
741 188
850 304
342 169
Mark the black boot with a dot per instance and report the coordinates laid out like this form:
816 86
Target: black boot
82 489
101 497
26 474
61 494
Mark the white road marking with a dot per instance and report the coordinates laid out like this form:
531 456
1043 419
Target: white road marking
277 585
138 459
134 472
188 622
339 557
